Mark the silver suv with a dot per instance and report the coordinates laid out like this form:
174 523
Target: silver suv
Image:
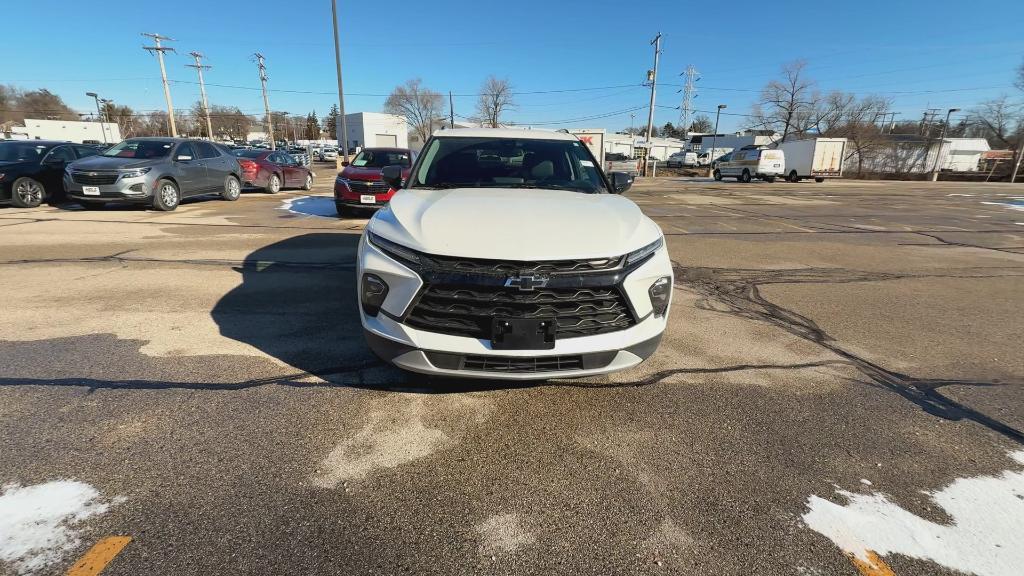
156 171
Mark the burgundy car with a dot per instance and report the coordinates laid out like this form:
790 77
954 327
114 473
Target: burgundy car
272 170
359 185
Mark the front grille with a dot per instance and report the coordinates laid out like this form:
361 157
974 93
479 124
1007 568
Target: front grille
94 179
590 361
367 186
470 310
512 267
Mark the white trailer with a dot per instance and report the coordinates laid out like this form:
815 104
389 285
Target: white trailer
594 139
817 158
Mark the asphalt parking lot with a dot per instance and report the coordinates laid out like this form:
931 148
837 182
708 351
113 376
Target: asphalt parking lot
839 352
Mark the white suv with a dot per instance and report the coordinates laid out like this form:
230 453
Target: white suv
509 254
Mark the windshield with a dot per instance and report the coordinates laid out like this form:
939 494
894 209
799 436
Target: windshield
21 151
451 162
141 149
381 158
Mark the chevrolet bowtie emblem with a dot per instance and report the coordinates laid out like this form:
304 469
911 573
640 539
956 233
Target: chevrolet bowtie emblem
526 282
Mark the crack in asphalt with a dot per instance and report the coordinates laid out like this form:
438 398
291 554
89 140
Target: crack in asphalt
944 242
736 292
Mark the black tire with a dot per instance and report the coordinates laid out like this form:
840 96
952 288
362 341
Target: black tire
308 185
344 211
273 184
717 175
166 195
232 189
819 180
27 192
744 177
92 205
769 179
793 177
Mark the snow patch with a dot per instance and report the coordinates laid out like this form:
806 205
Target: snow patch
1016 205
37 523
322 206
967 195
502 533
986 537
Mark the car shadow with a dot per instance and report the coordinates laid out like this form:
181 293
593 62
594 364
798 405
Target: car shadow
297 302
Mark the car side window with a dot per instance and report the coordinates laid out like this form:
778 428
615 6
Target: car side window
86 151
286 158
62 154
205 150
185 149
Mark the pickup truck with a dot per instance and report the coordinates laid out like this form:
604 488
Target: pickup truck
617 162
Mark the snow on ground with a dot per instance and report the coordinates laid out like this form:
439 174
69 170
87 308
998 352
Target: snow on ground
985 538
38 524
322 206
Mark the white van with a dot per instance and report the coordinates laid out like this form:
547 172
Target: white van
749 163
682 160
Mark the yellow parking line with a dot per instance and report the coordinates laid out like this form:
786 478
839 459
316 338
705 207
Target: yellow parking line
97 558
875 566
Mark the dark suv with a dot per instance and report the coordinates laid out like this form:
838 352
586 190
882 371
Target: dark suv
31 170
156 171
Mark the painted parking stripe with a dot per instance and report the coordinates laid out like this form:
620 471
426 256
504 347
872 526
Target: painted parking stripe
97 558
873 566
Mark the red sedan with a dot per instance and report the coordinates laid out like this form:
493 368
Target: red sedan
359 186
272 170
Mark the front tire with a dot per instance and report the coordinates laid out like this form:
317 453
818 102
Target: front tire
744 177
27 193
232 189
308 185
717 174
819 180
793 177
273 185
166 197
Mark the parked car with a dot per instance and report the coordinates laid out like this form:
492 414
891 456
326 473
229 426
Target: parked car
32 171
272 171
155 171
748 163
359 185
508 254
682 159
711 157
328 153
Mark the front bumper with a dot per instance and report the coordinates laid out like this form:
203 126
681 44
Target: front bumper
139 189
460 356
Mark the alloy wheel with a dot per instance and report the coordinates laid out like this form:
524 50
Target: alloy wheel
168 195
30 192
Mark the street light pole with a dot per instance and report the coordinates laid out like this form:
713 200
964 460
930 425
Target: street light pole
714 137
942 138
99 114
340 122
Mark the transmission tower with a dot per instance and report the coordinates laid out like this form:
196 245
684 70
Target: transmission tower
689 93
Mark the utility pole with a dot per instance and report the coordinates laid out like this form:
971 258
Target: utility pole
159 51
99 113
942 139
1016 165
199 66
652 77
689 93
712 155
266 103
340 123
451 110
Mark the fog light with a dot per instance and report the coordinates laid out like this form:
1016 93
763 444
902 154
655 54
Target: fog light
372 292
659 292
139 188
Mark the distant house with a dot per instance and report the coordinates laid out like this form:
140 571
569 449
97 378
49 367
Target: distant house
69 130
915 154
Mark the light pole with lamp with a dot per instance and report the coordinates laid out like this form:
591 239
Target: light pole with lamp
942 138
99 113
714 138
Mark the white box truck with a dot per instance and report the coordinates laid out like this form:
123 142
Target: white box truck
594 139
817 158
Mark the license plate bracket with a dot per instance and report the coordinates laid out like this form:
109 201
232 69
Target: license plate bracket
91 190
367 199
523 333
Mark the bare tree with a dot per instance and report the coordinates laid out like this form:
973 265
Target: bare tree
702 124
787 105
420 106
17 105
999 121
859 125
830 112
1020 77
495 98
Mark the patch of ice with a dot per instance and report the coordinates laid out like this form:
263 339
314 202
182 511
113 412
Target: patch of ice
502 533
986 537
865 481
321 206
37 523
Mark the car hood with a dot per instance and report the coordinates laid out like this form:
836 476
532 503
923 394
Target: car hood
514 224
371 174
113 163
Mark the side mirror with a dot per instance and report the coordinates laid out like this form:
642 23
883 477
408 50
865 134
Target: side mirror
621 181
182 158
392 176
344 163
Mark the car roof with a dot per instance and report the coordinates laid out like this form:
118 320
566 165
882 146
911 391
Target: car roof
44 142
386 149
517 133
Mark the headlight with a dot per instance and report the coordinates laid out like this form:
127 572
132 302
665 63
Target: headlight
135 173
394 250
659 293
638 255
2 177
372 292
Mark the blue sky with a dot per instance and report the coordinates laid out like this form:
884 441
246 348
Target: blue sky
921 53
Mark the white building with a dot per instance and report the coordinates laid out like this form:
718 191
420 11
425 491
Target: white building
369 129
69 130
911 153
